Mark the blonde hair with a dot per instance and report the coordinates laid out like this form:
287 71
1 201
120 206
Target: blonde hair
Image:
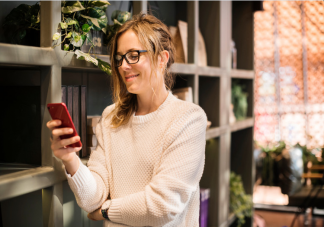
155 38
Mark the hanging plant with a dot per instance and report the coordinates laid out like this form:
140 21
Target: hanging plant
20 23
119 18
240 203
78 18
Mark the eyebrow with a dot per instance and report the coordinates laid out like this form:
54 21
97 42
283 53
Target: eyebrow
127 51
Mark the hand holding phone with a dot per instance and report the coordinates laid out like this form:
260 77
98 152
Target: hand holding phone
58 111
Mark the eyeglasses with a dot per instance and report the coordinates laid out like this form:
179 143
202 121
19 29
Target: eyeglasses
131 57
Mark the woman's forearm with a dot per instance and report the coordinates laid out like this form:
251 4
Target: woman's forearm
72 166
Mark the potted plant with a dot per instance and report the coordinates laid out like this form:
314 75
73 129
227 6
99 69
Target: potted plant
22 25
78 19
239 100
240 203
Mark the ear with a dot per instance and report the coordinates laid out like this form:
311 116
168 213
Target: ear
163 59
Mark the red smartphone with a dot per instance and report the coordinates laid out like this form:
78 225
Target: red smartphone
58 111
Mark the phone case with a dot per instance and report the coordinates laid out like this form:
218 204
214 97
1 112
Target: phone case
58 111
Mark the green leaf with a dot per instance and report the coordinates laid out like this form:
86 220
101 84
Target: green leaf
98 3
100 16
86 28
71 22
56 36
66 47
114 15
83 38
72 6
68 35
104 66
63 25
77 38
83 56
117 22
22 34
123 17
93 20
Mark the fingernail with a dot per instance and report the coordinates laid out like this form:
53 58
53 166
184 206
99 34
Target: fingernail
71 130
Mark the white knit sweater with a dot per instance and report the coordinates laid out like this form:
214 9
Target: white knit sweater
148 171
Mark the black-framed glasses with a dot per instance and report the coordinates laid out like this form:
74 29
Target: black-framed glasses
131 57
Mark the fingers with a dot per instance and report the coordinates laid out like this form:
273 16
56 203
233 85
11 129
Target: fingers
53 123
59 152
57 132
58 143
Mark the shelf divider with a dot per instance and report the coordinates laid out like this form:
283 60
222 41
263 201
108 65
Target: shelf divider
26 181
239 125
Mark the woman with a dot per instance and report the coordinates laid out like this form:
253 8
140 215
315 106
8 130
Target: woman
150 156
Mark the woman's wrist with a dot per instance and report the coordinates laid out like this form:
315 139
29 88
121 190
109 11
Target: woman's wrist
72 166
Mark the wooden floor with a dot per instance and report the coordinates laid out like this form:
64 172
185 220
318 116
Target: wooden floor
281 219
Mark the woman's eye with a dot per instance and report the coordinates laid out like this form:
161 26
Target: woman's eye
133 57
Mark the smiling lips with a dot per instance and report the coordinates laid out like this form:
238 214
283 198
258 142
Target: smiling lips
130 78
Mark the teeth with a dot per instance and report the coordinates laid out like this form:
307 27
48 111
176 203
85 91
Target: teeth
132 76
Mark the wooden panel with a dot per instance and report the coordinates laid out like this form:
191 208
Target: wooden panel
242 27
209 24
210 177
209 98
25 210
242 157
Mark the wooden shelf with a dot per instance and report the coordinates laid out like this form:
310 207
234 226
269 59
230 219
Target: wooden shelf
26 181
68 60
239 125
26 55
215 132
180 68
209 71
242 74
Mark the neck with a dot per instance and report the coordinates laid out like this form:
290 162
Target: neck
149 102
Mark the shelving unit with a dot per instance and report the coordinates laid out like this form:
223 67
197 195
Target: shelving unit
229 147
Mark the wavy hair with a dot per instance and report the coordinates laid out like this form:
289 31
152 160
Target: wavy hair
155 37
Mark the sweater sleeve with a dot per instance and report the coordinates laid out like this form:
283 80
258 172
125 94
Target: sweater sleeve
90 184
176 178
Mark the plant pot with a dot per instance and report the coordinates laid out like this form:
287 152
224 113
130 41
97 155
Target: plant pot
97 38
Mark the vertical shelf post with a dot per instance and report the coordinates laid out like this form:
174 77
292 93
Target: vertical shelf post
225 12
51 81
139 6
53 206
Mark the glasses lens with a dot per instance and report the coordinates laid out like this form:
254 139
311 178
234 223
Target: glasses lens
132 57
118 60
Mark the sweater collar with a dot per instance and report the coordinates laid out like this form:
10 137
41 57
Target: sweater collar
147 117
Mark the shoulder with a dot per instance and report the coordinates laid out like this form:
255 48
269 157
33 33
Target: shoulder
105 116
108 110
183 108
184 113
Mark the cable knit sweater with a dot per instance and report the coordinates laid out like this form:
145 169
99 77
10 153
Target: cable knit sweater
147 171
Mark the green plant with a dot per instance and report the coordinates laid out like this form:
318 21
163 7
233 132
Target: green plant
240 203
19 21
271 152
119 18
239 100
78 18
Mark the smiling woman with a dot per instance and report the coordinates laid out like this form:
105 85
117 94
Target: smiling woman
146 168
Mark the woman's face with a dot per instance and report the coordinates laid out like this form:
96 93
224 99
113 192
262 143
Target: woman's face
135 76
